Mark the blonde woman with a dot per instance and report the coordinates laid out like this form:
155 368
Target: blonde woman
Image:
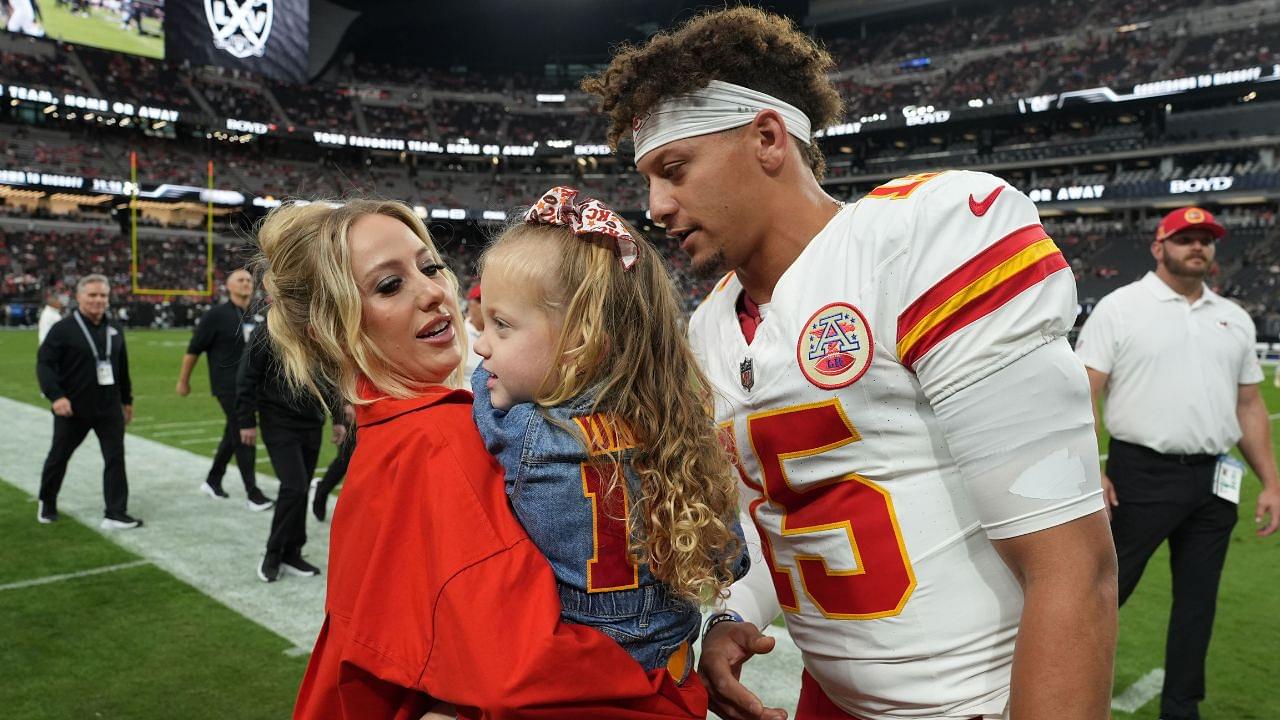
435 595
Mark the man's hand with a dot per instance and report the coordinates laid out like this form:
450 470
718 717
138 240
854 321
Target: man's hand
62 407
128 414
339 434
1109 494
1269 507
249 436
724 649
183 389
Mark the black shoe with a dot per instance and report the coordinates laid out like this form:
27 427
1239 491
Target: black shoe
46 513
258 502
120 521
319 502
213 491
299 567
269 568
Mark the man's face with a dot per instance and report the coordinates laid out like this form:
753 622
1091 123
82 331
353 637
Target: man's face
1188 253
240 284
700 191
92 299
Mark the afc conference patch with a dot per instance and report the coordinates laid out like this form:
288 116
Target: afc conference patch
835 346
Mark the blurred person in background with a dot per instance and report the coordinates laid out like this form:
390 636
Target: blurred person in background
221 334
322 487
292 423
51 313
83 368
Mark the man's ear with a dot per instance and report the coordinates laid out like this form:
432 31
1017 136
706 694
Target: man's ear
774 142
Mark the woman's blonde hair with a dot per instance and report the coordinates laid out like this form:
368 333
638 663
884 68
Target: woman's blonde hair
622 335
315 315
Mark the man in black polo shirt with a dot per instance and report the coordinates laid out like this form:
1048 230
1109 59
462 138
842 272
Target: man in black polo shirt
221 334
83 369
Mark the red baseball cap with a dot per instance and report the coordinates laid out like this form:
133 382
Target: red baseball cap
474 293
1188 218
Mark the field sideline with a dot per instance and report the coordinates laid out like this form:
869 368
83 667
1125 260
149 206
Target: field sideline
156 632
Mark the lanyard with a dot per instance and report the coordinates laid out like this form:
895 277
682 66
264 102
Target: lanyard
93 346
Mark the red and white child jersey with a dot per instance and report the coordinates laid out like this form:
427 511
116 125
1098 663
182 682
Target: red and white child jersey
875 549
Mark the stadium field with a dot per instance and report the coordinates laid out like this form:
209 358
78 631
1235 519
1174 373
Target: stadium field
169 621
101 28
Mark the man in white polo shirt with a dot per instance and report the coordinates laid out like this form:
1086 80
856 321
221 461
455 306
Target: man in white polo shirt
1181 378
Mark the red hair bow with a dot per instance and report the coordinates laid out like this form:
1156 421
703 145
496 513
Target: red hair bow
560 206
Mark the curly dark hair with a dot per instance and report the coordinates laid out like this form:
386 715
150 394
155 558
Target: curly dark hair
742 45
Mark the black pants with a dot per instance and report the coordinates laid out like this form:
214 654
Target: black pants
294 452
246 455
338 468
1162 498
68 433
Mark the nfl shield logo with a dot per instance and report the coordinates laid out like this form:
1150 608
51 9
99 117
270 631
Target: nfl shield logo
747 374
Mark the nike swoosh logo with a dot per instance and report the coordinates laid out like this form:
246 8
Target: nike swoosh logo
980 208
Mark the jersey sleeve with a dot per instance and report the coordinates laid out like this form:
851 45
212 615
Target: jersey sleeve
1100 336
984 302
979 283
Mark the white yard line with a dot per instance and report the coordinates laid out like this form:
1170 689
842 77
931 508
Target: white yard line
183 424
201 440
179 432
213 545
1146 689
72 576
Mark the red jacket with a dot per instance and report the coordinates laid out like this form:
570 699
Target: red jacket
436 593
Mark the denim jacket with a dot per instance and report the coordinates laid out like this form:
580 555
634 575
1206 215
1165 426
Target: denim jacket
557 493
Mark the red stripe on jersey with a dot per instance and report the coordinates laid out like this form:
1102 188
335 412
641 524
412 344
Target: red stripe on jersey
983 305
961 277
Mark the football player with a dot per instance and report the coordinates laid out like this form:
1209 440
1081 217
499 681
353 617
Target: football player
914 433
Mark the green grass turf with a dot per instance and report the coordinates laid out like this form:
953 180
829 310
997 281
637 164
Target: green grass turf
134 643
102 29
154 359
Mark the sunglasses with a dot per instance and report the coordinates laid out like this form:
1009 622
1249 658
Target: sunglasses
1184 240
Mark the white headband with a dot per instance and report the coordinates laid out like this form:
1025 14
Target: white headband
717 107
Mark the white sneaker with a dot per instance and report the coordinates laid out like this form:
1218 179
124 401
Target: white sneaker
123 521
258 502
213 492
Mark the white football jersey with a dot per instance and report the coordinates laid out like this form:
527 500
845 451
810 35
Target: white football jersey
880 559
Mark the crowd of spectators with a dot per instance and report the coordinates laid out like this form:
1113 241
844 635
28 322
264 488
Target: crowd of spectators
1257 45
242 101
1104 253
142 81
38 71
1088 51
318 106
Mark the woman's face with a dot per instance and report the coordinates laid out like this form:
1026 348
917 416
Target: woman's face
407 307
